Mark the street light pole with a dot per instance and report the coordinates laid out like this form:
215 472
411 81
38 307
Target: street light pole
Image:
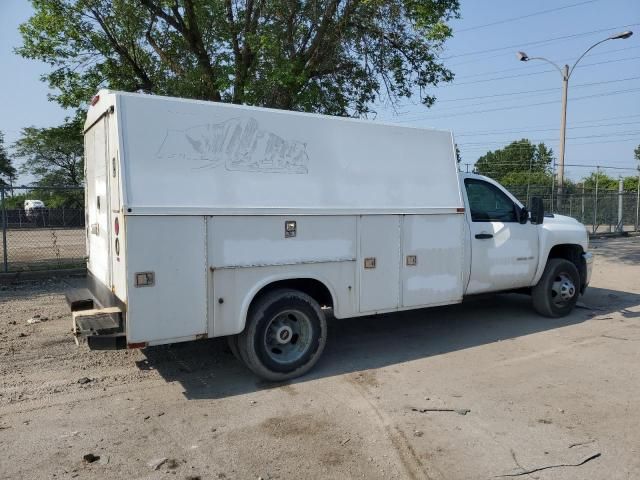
563 132
566 72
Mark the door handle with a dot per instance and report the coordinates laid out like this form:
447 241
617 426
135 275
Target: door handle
483 236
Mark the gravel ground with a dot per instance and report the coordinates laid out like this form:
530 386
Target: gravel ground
539 393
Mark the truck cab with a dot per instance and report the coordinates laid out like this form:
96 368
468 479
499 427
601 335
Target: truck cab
511 248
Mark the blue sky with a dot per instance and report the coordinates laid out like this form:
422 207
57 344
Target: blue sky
492 99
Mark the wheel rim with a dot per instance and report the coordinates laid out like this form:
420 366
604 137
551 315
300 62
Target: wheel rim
562 290
288 336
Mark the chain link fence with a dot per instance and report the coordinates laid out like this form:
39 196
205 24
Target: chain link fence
602 211
51 235
42 228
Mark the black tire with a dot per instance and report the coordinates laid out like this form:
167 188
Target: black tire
232 341
285 335
557 292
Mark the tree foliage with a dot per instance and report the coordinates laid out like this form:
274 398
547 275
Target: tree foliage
7 170
327 56
53 155
518 163
605 182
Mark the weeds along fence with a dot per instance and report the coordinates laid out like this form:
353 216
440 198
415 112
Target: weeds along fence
48 234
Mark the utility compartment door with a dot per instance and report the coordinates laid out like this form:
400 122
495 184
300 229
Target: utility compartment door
379 262
172 251
97 201
432 264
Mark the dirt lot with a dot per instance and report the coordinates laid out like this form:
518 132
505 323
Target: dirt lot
539 392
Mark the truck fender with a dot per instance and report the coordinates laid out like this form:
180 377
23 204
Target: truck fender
547 242
265 282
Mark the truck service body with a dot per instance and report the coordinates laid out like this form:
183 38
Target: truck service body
207 219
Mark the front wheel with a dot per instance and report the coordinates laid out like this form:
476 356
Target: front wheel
557 292
285 335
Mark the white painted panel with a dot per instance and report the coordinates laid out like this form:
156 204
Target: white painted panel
174 249
260 240
185 156
379 239
437 243
237 287
118 250
97 202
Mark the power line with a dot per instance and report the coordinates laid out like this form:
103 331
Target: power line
535 72
538 140
472 112
448 108
597 166
608 118
526 129
499 132
579 85
529 15
494 147
567 59
539 42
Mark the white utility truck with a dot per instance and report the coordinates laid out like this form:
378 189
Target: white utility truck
209 219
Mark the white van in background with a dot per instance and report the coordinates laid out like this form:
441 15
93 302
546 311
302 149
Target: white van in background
33 208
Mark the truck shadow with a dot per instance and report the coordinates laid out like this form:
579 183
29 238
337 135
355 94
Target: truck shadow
208 370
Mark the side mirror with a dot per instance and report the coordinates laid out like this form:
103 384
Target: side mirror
523 215
537 210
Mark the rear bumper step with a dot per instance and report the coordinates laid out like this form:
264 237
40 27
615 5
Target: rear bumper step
80 299
102 328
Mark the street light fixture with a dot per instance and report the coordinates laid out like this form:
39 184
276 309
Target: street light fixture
566 72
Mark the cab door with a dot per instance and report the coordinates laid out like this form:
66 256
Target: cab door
504 252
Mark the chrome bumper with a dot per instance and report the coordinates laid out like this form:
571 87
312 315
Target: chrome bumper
588 263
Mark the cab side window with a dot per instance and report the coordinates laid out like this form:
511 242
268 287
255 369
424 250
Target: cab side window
488 204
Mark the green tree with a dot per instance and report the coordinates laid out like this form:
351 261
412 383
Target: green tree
518 163
53 155
329 56
604 181
636 153
7 170
630 184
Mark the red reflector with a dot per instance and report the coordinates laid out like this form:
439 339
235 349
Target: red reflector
116 226
460 210
137 345
95 100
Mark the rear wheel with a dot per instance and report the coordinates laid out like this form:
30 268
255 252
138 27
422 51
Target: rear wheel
557 292
285 335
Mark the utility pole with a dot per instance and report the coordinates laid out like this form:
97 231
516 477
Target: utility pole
620 227
638 203
3 207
